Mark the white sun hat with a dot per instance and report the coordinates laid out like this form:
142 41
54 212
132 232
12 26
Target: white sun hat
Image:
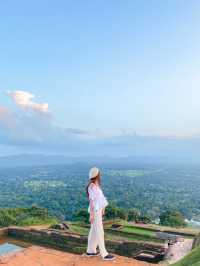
94 171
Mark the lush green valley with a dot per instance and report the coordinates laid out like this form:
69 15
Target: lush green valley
148 188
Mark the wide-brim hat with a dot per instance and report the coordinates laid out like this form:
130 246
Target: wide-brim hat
94 171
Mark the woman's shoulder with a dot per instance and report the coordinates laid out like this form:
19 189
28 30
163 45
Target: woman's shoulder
93 186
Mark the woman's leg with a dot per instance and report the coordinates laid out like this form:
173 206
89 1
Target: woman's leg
98 228
92 240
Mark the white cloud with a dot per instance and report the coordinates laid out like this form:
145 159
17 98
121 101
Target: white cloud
36 128
24 100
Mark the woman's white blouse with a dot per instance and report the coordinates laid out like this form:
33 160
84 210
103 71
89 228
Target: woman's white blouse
96 197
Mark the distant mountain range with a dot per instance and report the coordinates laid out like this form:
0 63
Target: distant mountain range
41 159
32 159
143 149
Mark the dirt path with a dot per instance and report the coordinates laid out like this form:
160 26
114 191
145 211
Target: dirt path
38 256
179 250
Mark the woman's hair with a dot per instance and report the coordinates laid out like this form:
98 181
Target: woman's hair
94 180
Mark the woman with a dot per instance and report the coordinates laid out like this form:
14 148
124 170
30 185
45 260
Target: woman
97 204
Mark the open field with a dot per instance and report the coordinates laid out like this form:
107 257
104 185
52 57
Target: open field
127 173
131 232
154 227
111 234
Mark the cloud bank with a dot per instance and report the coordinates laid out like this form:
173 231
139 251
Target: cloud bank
32 127
33 124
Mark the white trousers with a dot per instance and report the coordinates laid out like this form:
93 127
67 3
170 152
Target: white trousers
96 235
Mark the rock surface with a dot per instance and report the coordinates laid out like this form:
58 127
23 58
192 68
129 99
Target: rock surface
179 250
38 256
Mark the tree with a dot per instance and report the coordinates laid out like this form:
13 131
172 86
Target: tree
6 218
25 216
82 215
172 218
133 215
113 212
122 213
146 219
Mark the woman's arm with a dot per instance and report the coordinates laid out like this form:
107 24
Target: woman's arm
92 197
91 211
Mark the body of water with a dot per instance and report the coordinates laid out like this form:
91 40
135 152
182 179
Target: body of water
8 246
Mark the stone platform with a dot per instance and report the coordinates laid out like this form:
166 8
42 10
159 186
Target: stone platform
39 256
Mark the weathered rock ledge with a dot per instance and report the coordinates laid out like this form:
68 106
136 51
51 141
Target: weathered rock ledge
76 243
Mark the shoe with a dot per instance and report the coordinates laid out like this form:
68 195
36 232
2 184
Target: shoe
92 254
109 257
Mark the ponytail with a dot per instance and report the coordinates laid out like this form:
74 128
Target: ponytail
87 187
93 180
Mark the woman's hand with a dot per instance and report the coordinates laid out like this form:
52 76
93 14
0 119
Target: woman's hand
91 218
103 211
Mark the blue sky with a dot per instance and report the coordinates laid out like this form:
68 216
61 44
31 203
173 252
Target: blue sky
105 68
